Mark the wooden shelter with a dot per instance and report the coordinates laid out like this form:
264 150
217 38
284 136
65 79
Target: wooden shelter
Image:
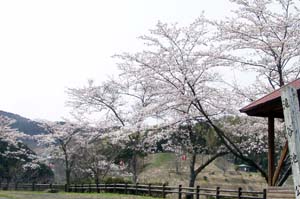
270 106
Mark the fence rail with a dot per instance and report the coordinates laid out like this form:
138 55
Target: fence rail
146 189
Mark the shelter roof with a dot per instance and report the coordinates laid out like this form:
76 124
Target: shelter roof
269 105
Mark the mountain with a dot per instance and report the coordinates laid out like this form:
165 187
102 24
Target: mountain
24 125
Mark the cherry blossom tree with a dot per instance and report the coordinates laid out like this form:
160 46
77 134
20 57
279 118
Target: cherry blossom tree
194 139
177 62
61 142
124 106
16 158
174 80
15 161
263 36
251 133
9 134
98 159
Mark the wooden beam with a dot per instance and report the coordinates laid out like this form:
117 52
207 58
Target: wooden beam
271 150
273 109
283 155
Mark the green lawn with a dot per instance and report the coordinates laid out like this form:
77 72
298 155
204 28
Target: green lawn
43 195
159 160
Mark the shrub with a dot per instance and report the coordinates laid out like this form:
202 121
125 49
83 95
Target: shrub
116 180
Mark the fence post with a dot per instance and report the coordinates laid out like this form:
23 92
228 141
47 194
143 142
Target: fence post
149 189
179 191
164 190
105 186
265 194
75 188
90 188
33 187
66 188
136 188
50 186
16 186
240 193
82 188
218 193
126 188
198 192
114 190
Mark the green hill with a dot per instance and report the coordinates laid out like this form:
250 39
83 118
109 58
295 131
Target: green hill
161 168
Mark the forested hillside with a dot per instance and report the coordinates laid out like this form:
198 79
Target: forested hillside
23 124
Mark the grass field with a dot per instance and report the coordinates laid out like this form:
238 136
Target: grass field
43 195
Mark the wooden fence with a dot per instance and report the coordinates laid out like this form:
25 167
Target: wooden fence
179 192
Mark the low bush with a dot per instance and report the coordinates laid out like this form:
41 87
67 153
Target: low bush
116 180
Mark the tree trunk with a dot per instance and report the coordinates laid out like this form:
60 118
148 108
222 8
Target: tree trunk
68 169
192 171
193 174
68 174
97 180
7 183
99 177
134 167
281 80
177 163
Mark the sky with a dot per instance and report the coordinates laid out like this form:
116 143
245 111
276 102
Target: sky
49 46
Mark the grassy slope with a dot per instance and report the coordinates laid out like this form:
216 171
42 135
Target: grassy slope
160 168
42 195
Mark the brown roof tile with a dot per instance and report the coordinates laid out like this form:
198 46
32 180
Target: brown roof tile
269 105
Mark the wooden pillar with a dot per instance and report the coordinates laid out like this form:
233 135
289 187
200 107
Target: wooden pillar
280 163
271 150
